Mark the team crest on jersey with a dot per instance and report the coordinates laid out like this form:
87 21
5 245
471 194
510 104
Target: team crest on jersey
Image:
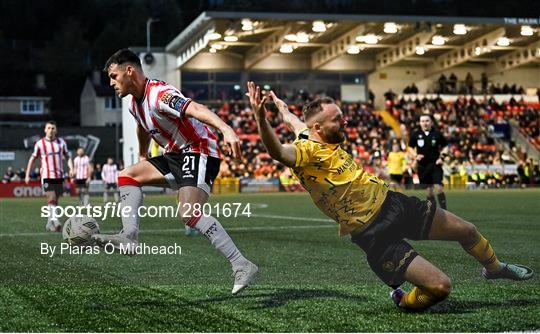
420 143
166 98
173 101
388 266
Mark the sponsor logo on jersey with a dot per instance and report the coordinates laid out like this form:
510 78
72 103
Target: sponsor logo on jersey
166 98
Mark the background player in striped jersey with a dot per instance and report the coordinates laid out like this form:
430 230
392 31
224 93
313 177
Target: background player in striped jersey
190 163
109 175
51 150
83 174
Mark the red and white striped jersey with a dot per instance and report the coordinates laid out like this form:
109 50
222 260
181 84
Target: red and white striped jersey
161 114
51 153
109 173
81 165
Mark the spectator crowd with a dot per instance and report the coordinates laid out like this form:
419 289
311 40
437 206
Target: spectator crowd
469 125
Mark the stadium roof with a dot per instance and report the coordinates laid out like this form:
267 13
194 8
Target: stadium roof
289 41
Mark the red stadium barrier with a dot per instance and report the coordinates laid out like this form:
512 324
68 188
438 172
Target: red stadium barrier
32 189
21 189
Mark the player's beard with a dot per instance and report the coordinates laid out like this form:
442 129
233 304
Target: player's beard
335 137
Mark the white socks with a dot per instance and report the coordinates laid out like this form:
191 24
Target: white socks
131 196
52 220
106 196
220 239
85 199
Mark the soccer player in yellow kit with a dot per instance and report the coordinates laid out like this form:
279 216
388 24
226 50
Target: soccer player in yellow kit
377 218
396 163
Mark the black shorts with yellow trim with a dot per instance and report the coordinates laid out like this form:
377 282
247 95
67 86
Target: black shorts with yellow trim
187 169
56 185
401 217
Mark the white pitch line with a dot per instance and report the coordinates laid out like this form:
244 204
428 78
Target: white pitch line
244 228
296 218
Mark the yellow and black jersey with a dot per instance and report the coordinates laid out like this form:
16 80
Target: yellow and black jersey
339 187
396 163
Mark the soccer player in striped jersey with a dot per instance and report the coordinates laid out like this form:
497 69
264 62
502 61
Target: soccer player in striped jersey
190 163
377 218
83 174
109 175
51 150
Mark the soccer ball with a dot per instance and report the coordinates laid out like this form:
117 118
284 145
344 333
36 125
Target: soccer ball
79 230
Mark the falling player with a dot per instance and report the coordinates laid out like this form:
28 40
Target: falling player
51 150
378 219
190 164
82 174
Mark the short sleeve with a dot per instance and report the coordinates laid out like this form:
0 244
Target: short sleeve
173 103
304 150
37 151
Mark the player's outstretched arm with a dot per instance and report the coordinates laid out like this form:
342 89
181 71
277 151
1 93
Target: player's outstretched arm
200 112
290 119
286 154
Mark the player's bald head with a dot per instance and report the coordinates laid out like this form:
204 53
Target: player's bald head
313 110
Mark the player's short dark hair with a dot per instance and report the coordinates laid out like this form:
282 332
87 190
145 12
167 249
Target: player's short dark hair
51 122
121 57
314 107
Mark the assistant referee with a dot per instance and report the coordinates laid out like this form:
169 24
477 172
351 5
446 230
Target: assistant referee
429 147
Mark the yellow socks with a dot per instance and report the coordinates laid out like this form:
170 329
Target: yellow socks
418 299
483 252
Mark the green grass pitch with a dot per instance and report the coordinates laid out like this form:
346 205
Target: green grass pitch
310 279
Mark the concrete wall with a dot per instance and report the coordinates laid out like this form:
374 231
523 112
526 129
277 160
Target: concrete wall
214 61
12 105
527 76
396 78
93 112
279 62
345 63
107 116
88 99
399 77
